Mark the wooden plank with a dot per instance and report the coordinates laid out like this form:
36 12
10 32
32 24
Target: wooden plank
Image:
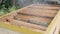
44 13
18 29
35 20
32 29
25 24
53 24
43 6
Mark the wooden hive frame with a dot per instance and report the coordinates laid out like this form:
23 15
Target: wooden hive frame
22 29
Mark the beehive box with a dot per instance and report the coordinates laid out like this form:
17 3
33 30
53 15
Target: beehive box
34 18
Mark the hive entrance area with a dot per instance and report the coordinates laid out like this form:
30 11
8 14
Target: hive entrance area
36 17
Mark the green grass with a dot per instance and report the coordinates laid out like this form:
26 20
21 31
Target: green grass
6 7
4 10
